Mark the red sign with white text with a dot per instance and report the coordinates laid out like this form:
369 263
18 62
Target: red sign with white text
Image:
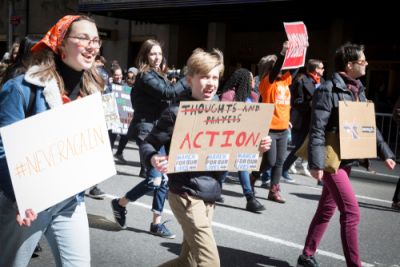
298 43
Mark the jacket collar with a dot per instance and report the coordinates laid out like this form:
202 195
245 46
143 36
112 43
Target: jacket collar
339 83
51 90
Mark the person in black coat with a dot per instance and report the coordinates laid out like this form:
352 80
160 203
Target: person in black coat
302 92
152 94
350 64
192 195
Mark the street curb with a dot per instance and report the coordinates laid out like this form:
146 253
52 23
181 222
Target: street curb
379 177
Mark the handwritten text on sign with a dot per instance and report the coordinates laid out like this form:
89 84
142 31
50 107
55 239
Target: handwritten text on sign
67 154
298 43
218 136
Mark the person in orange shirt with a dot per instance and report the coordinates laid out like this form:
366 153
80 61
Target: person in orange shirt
274 88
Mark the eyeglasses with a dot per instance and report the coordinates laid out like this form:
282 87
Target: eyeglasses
361 62
86 41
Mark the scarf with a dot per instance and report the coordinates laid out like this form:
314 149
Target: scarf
352 84
55 36
316 78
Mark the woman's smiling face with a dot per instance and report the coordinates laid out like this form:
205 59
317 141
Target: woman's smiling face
76 54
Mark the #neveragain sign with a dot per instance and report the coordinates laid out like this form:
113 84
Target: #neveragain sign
298 43
218 136
58 153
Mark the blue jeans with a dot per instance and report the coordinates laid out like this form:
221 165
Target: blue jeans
65 226
244 178
156 182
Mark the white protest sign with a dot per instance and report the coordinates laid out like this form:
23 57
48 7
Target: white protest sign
58 153
110 110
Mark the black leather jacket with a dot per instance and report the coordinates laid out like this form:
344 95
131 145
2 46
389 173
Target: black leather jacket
325 118
151 95
184 182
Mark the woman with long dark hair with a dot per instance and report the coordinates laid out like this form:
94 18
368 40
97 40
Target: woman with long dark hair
238 88
151 96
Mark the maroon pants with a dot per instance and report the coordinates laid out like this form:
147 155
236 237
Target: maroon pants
337 192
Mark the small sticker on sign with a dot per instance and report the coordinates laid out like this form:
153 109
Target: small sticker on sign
186 162
217 162
246 161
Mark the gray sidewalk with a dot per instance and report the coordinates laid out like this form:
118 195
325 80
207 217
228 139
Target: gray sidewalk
378 172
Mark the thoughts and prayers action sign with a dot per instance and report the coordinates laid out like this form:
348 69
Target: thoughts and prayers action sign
217 136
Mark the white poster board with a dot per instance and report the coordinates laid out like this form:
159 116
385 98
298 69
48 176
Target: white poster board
58 153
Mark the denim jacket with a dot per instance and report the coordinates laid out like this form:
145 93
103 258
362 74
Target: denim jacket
14 101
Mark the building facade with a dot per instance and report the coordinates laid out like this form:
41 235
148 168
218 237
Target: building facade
244 30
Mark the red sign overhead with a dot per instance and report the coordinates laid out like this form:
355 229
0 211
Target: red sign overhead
298 43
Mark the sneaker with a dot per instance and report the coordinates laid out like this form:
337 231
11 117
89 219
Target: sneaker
292 169
253 205
119 213
120 158
396 205
307 261
305 172
266 184
96 193
161 230
287 178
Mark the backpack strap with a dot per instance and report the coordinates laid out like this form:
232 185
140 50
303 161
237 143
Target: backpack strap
29 111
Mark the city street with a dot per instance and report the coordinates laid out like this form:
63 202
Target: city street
273 238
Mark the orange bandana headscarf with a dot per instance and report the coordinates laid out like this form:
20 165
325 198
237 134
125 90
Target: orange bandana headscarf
55 36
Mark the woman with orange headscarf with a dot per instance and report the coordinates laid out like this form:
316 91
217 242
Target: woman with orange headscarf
62 71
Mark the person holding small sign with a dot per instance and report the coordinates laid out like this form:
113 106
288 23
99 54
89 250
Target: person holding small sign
63 71
274 88
350 65
192 195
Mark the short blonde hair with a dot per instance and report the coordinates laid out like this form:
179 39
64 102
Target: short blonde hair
201 62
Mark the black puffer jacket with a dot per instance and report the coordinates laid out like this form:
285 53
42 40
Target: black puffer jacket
325 118
151 95
302 92
200 184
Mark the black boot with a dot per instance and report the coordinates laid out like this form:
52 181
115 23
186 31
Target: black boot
253 205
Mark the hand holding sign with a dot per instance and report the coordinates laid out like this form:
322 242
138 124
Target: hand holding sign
160 162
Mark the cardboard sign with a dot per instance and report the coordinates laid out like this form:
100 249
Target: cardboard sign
298 43
357 130
110 110
58 153
123 97
217 136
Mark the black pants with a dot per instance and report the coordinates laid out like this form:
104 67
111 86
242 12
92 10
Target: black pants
297 140
273 159
396 196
